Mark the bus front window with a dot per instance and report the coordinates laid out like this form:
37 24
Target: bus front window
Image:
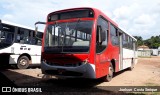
68 37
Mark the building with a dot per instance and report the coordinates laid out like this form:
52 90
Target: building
154 52
144 51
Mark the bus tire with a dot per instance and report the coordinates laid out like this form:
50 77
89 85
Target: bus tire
23 62
132 65
109 77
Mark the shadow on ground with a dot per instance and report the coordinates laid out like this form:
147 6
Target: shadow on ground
57 86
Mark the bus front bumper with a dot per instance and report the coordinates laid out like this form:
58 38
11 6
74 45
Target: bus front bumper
83 71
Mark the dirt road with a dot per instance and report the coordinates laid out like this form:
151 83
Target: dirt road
145 73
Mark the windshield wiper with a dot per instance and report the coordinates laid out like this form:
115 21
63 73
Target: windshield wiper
76 29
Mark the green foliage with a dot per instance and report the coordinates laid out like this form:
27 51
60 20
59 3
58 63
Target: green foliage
153 42
139 40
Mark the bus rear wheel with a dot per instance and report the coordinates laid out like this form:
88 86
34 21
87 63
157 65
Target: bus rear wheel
23 62
132 65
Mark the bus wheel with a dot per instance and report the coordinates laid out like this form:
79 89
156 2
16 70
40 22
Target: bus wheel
23 62
110 75
132 65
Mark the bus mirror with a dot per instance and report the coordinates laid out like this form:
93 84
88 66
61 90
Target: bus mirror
36 29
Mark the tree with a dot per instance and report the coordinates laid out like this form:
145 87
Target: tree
139 40
153 42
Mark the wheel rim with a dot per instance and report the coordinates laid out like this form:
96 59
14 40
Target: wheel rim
23 62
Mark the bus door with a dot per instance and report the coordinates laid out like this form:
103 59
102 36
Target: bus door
120 50
101 45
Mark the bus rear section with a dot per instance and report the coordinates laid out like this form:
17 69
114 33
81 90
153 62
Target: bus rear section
82 42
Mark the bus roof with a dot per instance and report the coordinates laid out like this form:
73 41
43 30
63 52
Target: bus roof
18 25
97 11
128 34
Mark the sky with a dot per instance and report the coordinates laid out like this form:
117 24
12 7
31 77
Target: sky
136 17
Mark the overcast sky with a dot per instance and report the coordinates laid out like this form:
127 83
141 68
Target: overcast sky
137 17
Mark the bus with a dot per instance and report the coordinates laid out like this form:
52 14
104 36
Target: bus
19 45
85 43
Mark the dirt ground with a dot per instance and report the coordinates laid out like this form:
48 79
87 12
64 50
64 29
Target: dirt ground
145 73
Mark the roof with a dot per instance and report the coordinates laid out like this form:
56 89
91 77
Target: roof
143 47
18 25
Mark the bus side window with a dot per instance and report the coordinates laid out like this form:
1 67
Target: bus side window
114 35
101 35
23 36
125 40
9 37
18 36
36 41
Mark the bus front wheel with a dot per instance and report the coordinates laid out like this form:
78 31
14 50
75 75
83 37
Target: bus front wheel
109 77
23 62
110 74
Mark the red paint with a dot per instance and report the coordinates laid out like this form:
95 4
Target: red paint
65 58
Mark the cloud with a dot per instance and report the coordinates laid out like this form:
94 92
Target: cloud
138 17
121 13
9 6
143 19
7 17
133 16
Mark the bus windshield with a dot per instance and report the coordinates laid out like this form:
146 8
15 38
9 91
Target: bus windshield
6 36
68 37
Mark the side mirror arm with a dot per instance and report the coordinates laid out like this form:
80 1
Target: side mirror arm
36 29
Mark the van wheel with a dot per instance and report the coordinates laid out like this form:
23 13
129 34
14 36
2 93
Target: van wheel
23 62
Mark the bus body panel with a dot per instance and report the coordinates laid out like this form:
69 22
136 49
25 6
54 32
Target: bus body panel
104 60
35 59
128 55
16 50
65 58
